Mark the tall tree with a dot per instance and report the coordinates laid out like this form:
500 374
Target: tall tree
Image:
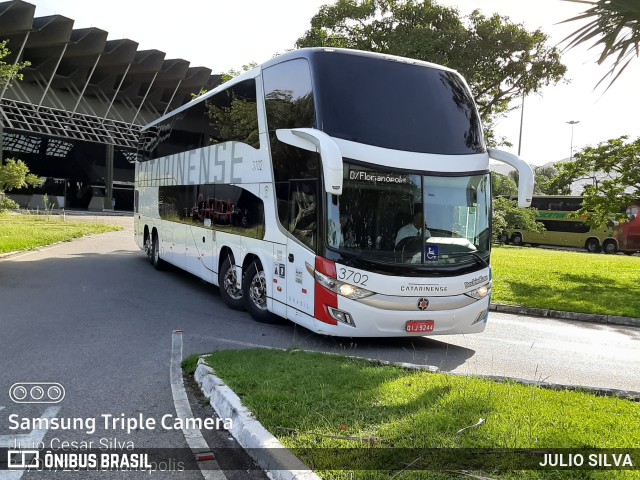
9 72
500 60
545 184
13 174
615 26
613 169
502 185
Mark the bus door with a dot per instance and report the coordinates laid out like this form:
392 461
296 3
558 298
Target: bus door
200 251
303 225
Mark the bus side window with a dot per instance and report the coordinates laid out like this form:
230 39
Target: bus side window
303 208
289 104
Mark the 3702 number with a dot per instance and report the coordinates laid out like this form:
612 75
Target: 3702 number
350 276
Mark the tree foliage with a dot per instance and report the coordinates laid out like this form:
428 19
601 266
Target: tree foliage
9 72
15 174
545 182
508 216
615 26
500 60
613 170
503 185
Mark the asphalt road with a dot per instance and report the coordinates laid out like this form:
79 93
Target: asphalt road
94 316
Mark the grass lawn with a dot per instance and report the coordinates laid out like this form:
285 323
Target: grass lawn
568 281
308 400
26 232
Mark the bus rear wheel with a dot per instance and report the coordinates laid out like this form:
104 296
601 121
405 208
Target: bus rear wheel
156 261
610 247
228 281
254 290
592 245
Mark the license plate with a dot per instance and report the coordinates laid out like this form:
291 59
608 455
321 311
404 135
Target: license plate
425 326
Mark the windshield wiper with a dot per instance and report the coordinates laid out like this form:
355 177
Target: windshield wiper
476 255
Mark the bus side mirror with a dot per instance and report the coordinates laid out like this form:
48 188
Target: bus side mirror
316 141
525 174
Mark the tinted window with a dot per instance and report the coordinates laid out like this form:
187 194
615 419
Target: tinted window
221 207
568 227
233 114
289 104
395 105
230 115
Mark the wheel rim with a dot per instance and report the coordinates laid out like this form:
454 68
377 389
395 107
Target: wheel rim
147 247
156 251
230 284
610 248
258 291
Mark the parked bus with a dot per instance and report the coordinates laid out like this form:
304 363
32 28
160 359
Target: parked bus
562 229
346 191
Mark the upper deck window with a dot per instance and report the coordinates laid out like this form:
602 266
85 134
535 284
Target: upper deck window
395 105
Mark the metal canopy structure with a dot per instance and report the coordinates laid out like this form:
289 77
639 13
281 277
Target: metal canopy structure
81 87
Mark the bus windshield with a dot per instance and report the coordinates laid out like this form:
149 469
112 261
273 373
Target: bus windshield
393 217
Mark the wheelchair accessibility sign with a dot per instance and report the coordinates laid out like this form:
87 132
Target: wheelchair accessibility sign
431 253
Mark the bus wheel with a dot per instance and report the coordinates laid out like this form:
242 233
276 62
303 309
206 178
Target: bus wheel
516 239
229 291
148 248
156 261
254 289
592 245
609 246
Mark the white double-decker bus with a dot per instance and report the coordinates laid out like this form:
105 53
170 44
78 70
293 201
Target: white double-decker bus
346 191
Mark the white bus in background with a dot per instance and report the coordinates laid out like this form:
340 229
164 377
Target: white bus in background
346 191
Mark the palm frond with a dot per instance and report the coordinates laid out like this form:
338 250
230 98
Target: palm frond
615 26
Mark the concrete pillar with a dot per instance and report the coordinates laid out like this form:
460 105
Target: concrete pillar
108 191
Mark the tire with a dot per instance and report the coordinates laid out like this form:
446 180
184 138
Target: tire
227 281
516 239
148 248
156 261
610 247
503 238
254 291
592 245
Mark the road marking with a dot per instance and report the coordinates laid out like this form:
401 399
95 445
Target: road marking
209 468
26 441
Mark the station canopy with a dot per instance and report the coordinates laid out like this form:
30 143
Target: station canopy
80 86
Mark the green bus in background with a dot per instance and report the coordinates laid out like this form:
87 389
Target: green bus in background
563 230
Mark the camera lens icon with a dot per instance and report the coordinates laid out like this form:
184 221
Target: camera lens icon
36 392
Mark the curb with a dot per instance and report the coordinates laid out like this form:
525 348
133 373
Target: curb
558 314
249 432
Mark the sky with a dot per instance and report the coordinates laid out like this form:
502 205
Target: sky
228 34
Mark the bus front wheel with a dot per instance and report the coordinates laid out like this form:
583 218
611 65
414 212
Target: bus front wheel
610 247
254 290
592 245
229 291
516 239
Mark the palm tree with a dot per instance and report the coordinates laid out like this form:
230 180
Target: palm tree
614 24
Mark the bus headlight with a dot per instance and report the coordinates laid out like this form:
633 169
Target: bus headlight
480 292
344 289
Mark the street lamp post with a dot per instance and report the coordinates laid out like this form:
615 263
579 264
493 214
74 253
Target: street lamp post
572 123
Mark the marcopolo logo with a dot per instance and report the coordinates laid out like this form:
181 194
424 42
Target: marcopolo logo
36 392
